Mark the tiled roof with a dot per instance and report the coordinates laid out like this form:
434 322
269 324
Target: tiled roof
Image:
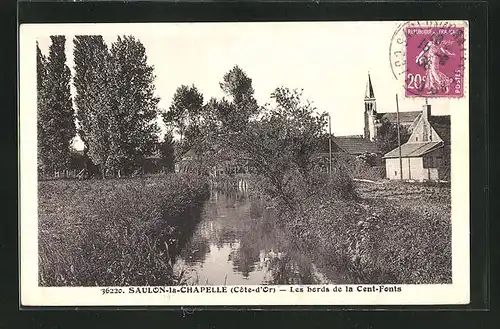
404 117
355 145
409 150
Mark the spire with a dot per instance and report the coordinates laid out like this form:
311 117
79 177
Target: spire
369 88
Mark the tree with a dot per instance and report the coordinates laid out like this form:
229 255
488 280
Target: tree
42 110
185 109
56 125
93 93
238 87
167 152
117 107
133 105
281 144
387 136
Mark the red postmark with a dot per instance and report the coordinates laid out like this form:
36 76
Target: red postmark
434 61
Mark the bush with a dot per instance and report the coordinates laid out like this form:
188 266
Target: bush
371 173
115 232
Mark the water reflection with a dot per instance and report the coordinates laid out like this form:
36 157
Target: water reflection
235 244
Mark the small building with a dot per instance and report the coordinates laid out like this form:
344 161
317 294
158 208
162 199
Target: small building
426 154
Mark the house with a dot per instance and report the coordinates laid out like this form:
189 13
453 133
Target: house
426 154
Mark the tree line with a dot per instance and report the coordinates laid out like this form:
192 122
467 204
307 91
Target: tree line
115 108
114 104
277 140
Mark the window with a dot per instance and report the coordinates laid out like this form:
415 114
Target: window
416 138
395 173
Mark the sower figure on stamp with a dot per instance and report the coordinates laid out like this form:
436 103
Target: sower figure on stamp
434 54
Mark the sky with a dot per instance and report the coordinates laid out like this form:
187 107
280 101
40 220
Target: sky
330 61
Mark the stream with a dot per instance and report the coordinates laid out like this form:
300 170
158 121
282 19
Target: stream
236 242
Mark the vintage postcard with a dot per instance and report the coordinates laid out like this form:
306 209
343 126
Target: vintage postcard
268 163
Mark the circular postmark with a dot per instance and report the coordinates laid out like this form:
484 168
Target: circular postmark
429 58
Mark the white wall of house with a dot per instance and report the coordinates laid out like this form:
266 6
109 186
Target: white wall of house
413 168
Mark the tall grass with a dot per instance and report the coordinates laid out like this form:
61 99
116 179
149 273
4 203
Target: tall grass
383 233
115 232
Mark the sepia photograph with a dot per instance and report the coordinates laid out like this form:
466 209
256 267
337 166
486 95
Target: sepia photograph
244 163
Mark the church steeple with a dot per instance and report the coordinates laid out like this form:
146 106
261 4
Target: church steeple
370 110
369 94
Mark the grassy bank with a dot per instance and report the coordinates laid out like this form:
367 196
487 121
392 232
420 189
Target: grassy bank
115 232
375 233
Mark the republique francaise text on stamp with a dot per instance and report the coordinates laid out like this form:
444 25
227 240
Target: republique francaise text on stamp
433 58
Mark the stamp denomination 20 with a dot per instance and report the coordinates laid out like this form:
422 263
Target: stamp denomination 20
431 58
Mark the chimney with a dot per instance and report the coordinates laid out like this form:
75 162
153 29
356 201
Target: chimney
426 111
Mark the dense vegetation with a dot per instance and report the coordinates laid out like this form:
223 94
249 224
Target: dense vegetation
115 232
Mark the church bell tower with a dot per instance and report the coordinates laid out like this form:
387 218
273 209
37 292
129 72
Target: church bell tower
370 111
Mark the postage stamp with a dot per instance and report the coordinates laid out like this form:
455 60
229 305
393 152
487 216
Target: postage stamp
434 61
429 58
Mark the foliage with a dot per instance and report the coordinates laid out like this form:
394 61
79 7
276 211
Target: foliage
116 103
370 159
282 142
378 237
77 160
185 110
134 107
93 95
115 232
207 128
387 136
167 152
56 127
238 86
42 107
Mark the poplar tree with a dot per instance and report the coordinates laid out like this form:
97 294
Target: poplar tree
56 125
133 105
92 100
116 105
42 117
